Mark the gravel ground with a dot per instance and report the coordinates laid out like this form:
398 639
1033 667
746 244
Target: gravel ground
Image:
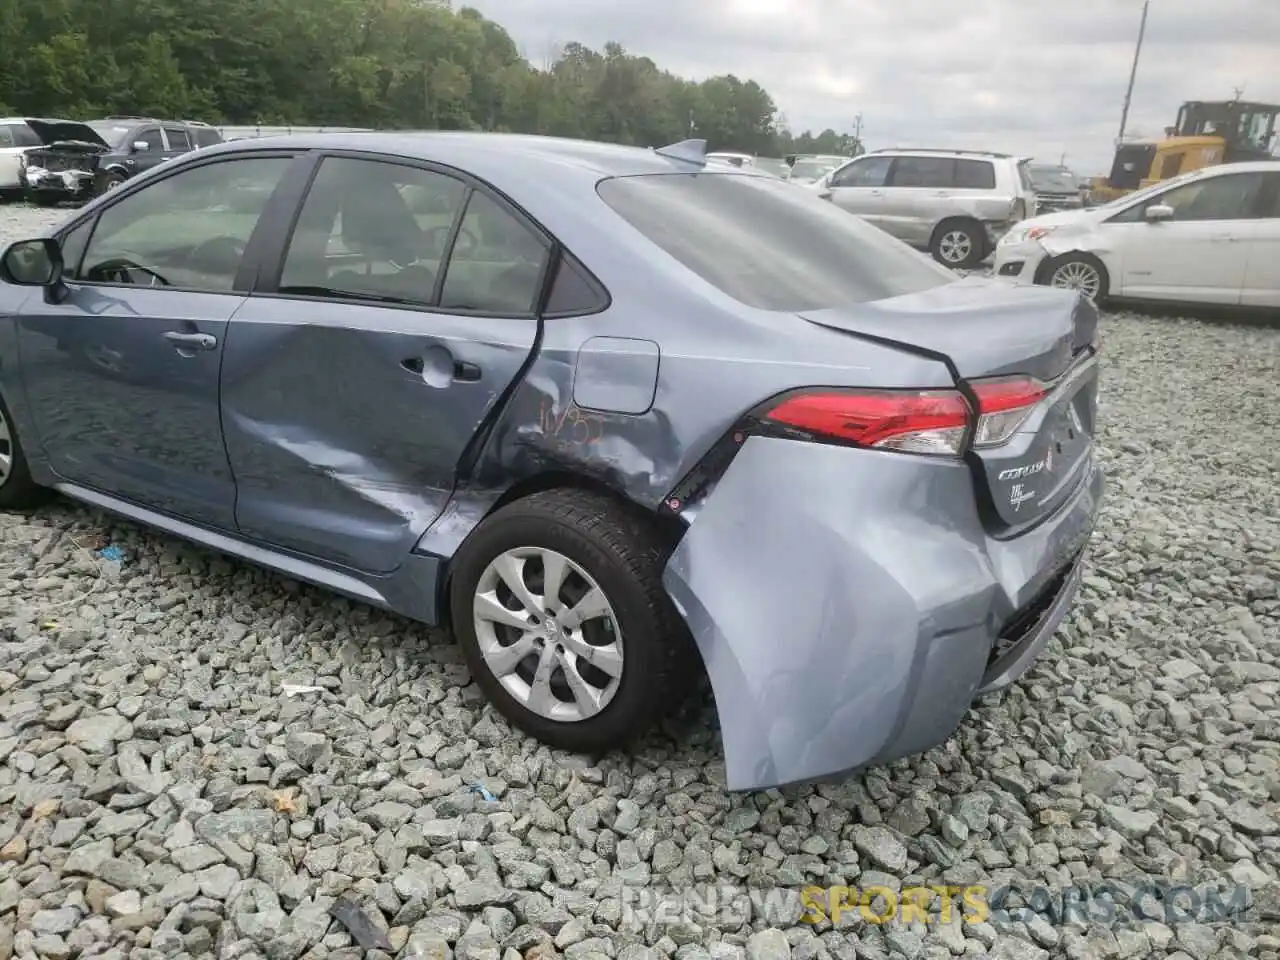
162 796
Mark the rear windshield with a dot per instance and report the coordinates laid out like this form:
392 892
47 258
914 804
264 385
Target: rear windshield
770 244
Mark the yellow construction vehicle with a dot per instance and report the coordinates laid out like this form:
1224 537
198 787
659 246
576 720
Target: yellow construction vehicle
1207 133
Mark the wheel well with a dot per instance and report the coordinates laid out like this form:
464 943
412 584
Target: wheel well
966 221
1049 264
671 528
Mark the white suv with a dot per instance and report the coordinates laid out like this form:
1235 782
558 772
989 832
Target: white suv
956 204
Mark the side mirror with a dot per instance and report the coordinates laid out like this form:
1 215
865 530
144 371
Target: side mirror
1157 212
32 263
141 146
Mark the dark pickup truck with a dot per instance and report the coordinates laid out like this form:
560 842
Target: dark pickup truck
82 160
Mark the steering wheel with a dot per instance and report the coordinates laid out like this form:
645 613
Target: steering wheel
464 245
123 266
223 251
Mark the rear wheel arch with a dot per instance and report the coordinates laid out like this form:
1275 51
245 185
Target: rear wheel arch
670 529
970 224
624 549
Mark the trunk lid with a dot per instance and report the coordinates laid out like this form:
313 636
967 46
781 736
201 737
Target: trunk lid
986 329
62 131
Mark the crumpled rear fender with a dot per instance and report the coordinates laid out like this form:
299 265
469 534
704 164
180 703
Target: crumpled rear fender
844 604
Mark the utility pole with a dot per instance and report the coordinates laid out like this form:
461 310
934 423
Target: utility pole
1133 72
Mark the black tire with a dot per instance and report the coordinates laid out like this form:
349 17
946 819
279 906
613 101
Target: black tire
1053 274
625 556
17 490
110 180
959 255
45 199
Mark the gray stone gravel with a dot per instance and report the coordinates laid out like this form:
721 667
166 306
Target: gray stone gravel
161 797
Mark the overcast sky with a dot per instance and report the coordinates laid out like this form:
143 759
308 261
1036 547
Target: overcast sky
1040 77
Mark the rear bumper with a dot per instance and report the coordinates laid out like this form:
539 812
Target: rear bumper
849 606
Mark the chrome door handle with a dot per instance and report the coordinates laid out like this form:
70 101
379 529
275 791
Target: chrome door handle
191 341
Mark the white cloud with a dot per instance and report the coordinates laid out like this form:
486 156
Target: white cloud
1024 76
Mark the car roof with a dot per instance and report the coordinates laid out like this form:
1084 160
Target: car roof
494 157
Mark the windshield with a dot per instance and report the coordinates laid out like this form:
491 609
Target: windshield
112 133
769 245
1053 179
808 170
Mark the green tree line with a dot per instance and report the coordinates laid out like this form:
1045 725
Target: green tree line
389 64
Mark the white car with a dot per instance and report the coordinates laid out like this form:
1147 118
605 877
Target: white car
16 138
1211 236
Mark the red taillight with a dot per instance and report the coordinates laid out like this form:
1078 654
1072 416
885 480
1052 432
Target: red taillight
1003 405
911 421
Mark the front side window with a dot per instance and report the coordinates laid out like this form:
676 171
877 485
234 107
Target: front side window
935 172
182 231
151 137
372 230
1215 198
767 244
870 172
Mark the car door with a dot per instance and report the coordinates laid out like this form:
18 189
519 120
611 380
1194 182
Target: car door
1261 287
919 195
858 187
358 373
147 149
1200 254
121 372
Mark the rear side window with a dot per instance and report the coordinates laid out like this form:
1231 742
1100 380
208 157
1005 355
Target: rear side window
935 172
6 135
177 137
975 175
767 244
207 136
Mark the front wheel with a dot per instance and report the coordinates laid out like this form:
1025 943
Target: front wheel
959 244
110 180
1081 272
558 603
17 490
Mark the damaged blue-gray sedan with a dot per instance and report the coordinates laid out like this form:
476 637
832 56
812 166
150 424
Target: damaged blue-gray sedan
616 415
